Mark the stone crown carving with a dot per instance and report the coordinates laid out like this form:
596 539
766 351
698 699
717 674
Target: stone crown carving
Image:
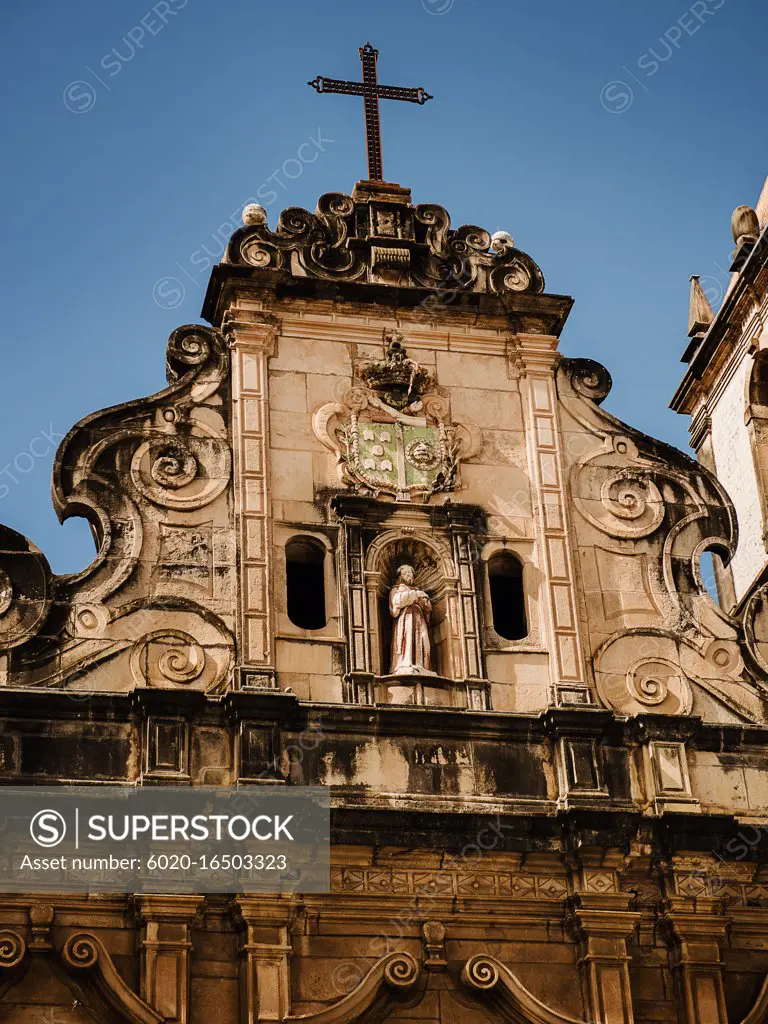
398 380
378 237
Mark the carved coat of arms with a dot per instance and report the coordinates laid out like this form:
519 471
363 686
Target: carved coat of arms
391 432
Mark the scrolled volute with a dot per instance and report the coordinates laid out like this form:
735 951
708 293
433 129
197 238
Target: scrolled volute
588 378
401 971
81 951
494 982
25 589
103 990
13 949
480 972
193 349
337 242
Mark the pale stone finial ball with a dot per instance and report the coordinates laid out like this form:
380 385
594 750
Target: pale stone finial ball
502 240
744 224
254 214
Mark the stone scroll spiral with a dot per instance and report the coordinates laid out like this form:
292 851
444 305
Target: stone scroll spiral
81 950
171 657
588 378
333 243
481 973
640 672
12 949
25 589
401 971
182 471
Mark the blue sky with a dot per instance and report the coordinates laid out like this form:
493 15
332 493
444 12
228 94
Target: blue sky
612 139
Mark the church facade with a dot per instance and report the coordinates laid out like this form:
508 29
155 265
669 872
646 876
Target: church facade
378 535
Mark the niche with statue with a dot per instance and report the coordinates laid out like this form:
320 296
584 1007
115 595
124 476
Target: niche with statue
411 605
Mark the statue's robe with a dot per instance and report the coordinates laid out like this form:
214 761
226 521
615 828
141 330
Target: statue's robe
410 610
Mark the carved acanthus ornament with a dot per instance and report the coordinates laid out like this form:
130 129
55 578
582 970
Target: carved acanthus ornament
392 438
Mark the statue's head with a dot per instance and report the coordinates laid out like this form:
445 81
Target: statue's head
406 574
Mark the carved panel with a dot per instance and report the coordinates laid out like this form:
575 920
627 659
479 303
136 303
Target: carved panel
166 747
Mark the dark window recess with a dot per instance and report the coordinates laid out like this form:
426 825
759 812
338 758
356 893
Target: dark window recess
305 579
505 574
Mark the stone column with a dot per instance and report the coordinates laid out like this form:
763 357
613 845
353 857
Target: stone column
601 922
253 338
165 952
265 992
694 931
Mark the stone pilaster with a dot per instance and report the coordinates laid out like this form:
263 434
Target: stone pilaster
165 952
694 930
253 338
265 953
600 919
537 355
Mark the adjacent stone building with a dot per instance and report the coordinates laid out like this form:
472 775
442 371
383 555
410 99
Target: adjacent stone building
378 534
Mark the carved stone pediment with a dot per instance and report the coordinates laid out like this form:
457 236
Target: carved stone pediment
392 439
378 238
155 606
644 515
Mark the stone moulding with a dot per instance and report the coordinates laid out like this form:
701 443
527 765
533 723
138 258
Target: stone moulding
350 240
497 985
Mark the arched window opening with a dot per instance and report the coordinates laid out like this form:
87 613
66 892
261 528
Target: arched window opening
505 575
712 576
305 582
757 394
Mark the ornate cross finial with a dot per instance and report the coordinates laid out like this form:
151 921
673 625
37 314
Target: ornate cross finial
371 92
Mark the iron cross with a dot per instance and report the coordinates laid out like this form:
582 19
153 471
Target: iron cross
371 92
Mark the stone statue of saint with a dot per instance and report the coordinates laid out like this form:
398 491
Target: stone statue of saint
411 610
